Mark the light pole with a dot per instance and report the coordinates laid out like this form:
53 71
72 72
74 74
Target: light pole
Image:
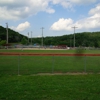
31 37
28 37
74 35
70 42
7 33
42 35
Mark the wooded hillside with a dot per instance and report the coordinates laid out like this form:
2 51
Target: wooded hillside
86 39
14 37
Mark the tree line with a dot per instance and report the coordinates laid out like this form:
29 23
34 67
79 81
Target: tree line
14 37
85 39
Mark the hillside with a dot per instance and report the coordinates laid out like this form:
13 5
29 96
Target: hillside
14 37
86 39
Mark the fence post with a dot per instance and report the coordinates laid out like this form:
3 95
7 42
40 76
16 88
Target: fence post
18 64
52 63
85 64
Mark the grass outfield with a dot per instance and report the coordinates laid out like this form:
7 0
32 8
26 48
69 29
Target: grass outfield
57 87
29 86
28 65
64 51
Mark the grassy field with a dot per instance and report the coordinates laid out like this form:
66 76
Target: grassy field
57 87
31 86
64 51
28 65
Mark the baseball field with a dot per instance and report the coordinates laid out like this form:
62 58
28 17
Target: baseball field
49 75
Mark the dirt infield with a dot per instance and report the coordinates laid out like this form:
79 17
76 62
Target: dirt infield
39 54
68 73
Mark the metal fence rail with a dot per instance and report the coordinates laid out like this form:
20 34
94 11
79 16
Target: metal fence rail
22 64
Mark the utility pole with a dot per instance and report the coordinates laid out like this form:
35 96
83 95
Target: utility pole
70 42
31 37
42 35
28 37
74 35
7 33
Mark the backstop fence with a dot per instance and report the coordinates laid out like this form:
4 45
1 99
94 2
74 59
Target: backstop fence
31 64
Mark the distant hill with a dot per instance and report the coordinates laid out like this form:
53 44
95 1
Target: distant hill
14 37
86 39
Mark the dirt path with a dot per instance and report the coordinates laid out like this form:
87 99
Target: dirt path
45 54
68 73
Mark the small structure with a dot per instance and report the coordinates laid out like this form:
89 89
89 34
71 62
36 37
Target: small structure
61 46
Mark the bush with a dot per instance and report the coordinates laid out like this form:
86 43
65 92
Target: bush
2 42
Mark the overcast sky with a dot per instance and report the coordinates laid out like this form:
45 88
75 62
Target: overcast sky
56 16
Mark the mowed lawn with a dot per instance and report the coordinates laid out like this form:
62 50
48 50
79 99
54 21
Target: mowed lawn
28 85
51 87
63 51
28 65
24 65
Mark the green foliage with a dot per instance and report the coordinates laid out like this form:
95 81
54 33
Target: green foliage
2 42
24 41
85 39
14 37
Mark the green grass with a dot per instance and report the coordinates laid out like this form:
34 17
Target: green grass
61 87
50 51
29 86
28 65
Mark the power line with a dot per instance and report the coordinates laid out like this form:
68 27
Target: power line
74 35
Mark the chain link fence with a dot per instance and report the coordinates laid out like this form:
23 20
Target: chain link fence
30 65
